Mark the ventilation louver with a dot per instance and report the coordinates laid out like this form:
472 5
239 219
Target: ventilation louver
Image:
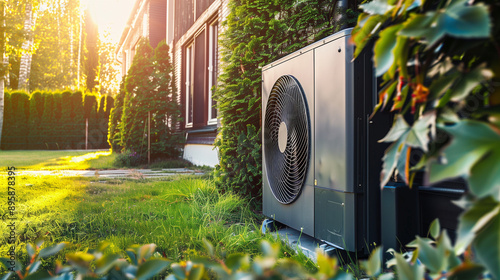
286 137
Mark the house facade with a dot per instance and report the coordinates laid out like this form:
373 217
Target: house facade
191 29
147 20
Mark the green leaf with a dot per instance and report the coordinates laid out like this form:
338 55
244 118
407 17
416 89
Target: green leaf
376 7
487 245
390 160
418 136
383 50
209 247
474 219
373 265
407 271
49 251
472 140
459 20
435 228
466 271
41 275
196 273
151 268
484 179
235 261
131 255
178 271
326 264
105 263
441 84
469 81
30 250
6 275
362 35
466 21
430 256
398 130
34 267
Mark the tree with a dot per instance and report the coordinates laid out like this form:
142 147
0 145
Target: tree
147 92
440 66
115 117
92 61
109 67
137 84
57 34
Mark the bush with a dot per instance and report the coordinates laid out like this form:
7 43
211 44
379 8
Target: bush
130 158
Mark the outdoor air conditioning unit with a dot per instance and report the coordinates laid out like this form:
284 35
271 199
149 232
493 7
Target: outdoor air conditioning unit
321 165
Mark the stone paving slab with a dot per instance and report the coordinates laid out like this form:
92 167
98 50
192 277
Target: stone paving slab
118 173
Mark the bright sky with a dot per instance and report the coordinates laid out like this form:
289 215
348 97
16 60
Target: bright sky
110 15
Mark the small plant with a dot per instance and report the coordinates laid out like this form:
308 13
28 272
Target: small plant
130 158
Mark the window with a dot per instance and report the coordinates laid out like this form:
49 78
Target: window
200 77
212 71
189 88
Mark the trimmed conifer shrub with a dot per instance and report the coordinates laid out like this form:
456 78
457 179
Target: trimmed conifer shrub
58 135
8 122
77 121
47 126
66 121
35 121
90 116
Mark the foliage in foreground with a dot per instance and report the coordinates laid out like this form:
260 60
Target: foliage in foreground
433 258
440 66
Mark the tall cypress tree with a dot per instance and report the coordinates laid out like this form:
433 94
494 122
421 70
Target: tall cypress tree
115 117
165 111
138 87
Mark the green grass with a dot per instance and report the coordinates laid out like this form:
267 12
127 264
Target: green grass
74 160
176 214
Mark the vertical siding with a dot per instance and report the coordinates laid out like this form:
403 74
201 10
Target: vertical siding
157 21
218 10
184 17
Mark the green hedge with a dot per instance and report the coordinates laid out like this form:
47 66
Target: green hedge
54 120
257 33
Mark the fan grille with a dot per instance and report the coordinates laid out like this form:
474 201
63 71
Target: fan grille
286 139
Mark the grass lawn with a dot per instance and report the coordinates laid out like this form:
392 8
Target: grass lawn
175 214
71 160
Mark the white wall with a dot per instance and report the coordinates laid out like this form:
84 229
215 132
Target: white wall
201 154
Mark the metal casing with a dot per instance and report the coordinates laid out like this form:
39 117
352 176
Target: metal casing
340 195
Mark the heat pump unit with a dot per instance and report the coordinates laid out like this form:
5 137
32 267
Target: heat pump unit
320 160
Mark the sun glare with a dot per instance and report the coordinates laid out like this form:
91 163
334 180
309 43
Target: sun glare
110 15
86 157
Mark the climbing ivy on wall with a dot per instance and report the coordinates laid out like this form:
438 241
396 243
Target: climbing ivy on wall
257 33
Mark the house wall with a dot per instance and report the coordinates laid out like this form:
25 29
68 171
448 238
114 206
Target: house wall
201 133
148 19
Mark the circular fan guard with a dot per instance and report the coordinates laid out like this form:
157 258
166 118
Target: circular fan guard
286 165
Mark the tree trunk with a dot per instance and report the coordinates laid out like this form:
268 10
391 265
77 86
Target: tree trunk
3 66
25 67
